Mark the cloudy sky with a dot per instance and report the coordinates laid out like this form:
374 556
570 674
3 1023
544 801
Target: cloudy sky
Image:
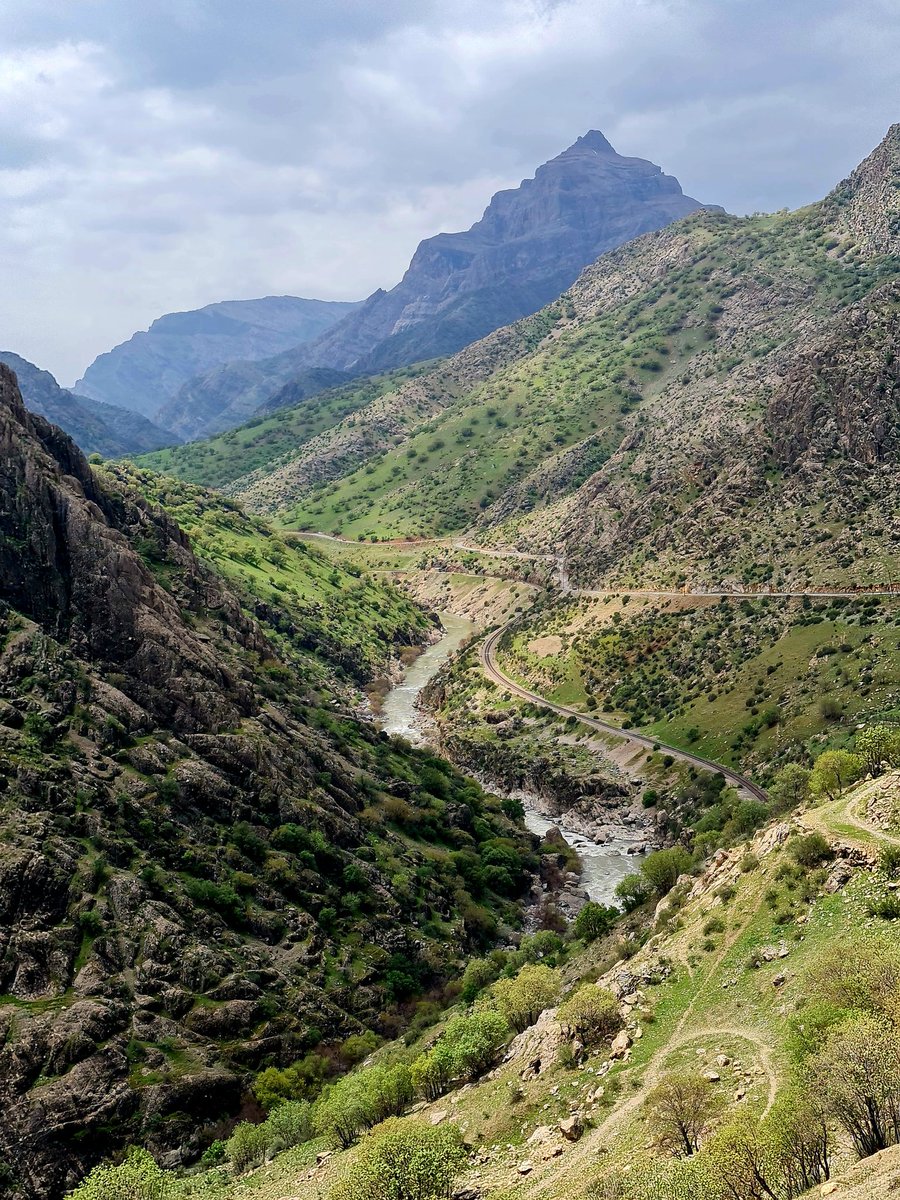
161 154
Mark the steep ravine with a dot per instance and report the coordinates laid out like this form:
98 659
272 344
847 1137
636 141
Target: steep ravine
603 865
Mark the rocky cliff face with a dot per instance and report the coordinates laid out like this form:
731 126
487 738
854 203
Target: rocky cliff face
146 373
528 247
195 854
98 428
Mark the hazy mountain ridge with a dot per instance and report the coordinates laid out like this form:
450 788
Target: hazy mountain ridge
147 372
97 427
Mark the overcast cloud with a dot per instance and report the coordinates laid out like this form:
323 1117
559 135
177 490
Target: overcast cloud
162 154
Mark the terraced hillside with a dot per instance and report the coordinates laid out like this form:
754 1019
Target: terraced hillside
714 402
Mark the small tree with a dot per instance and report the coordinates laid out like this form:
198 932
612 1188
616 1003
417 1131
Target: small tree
662 868
342 1112
403 1160
878 746
594 921
834 770
790 787
632 890
522 1000
246 1147
857 1075
136 1178
288 1125
591 1014
680 1110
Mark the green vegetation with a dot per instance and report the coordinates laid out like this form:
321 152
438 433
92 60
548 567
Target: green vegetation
264 440
316 610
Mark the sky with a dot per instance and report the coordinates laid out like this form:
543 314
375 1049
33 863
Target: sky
158 155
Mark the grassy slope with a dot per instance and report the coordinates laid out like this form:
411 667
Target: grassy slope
715 1001
741 682
262 441
341 615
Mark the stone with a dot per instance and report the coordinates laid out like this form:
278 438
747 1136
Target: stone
525 1167
572 1127
620 1044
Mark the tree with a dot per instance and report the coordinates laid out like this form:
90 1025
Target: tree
342 1112
432 1073
878 746
403 1160
479 974
632 890
301 1080
136 1178
522 1000
246 1147
662 868
591 1014
594 921
833 771
680 1110
473 1042
288 1125
857 1076
790 787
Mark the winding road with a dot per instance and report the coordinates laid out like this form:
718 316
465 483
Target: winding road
488 657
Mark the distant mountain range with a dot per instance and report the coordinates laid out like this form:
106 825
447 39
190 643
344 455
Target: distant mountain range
147 372
529 246
97 427
717 402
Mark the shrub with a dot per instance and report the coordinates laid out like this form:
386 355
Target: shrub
302 1080
479 974
632 890
857 1077
288 1125
522 1000
594 921
680 1111
246 1147
889 859
591 1014
809 849
136 1178
403 1160
662 868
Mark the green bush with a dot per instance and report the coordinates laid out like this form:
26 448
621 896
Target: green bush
136 1178
403 1160
591 1014
662 868
594 921
522 1000
809 849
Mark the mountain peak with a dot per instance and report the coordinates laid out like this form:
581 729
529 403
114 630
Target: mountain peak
592 140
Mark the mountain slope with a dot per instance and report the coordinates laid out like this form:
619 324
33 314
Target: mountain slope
529 246
716 401
206 864
98 428
146 372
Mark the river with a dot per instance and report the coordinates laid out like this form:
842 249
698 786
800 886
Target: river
602 865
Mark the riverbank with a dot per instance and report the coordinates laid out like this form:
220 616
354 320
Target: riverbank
603 863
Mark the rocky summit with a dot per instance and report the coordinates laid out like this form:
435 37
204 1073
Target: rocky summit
529 246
